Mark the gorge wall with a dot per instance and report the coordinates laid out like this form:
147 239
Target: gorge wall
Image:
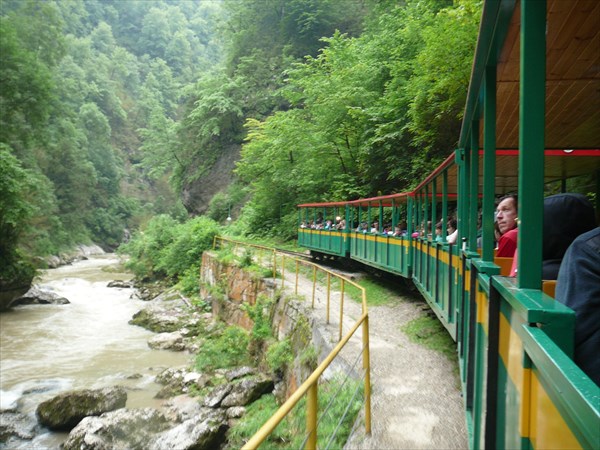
229 287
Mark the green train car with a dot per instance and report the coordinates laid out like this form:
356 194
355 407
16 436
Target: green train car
531 125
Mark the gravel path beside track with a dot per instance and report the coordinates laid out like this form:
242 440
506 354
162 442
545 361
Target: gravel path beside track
416 398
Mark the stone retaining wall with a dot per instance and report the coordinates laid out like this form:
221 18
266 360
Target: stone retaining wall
229 286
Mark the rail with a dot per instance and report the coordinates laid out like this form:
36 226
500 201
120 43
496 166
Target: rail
310 387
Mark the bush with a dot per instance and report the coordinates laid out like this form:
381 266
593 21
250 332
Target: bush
279 355
168 249
191 239
343 398
228 349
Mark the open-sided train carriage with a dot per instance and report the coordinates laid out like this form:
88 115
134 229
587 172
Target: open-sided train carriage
531 126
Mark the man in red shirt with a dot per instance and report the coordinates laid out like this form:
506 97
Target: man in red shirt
506 216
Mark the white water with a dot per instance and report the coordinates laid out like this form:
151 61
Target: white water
47 349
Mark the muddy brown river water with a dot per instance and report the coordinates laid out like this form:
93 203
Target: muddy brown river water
48 349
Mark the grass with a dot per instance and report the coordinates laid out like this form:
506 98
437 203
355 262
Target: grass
429 332
379 291
224 350
290 433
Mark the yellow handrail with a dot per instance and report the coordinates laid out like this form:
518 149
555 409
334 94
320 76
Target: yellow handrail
310 386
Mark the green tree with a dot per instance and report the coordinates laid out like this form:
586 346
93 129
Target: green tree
16 186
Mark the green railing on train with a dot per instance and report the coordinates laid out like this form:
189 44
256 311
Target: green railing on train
310 387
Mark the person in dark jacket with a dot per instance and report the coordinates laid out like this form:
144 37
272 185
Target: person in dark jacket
566 216
578 287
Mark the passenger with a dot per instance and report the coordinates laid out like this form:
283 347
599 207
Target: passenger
397 231
497 233
578 287
403 228
341 225
566 216
303 224
328 225
506 215
438 232
452 231
375 227
362 227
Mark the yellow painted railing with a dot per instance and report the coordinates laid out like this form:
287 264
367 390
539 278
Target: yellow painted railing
310 387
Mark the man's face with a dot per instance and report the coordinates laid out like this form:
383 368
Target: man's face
506 215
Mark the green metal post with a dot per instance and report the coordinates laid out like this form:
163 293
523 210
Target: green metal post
531 142
347 217
433 208
474 188
417 211
409 231
444 203
464 196
489 164
426 210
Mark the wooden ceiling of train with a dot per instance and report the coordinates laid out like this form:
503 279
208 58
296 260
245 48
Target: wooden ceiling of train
572 77
558 165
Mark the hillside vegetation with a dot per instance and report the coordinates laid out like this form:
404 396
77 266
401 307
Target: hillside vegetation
114 112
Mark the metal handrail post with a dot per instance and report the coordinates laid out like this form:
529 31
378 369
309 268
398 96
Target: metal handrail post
367 367
314 285
282 270
342 309
328 294
297 271
311 416
274 265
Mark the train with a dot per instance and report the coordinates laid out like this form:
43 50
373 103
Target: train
531 127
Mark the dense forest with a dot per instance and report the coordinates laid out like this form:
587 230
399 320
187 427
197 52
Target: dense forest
169 115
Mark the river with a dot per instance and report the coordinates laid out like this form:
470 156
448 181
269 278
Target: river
48 349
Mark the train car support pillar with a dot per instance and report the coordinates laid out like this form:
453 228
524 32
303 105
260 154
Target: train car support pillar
531 142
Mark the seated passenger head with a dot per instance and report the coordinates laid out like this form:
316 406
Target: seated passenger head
566 216
451 225
506 213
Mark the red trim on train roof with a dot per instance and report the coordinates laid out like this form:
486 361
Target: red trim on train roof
552 152
323 205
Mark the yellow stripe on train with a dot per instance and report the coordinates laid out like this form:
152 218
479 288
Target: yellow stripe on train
539 419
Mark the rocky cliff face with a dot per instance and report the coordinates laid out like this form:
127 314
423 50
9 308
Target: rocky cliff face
289 318
197 194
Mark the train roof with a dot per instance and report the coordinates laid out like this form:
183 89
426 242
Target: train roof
572 115
558 164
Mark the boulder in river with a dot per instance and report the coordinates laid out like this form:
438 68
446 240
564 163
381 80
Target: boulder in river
120 284
247 391
120 429
179 380
205 431
38 296
157 319
66 410
168 341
